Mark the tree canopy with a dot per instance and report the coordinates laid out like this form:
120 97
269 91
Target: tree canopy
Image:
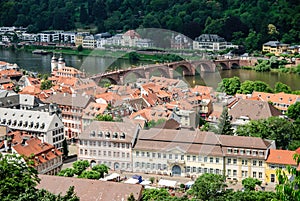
247 23
283 131
18 180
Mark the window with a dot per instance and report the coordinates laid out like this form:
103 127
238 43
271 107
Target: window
244 162
199 158
188 157
170 156
229 150
248 152
260 163
194 158
217 160
234 173
261 153
182 157
211 159
158 155
199 169
205 159
234 161
254 153
143 154
153 155
211 170
228 160
188 169
164 155
254 163
235 151
242 151
148 155
260 175
100 134
228 172
244 173
194 169
217 171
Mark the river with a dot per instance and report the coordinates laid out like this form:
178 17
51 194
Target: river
41 63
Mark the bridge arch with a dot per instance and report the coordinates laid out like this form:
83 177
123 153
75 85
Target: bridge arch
203 67
234 65
161 71
183 69
223 66
132 76
104 80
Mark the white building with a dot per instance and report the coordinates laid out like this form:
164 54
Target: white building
109 143
211 42
47 126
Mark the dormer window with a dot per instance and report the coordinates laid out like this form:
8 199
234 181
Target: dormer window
107 135
93 134
25 124
100 134
115 135
31 125
229 150
20 123
122 136
43 126
36 125
9 122
235 151
14 123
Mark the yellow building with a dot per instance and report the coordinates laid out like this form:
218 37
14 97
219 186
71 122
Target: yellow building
279 159
275 47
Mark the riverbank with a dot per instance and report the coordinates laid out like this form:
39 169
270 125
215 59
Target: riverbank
288 70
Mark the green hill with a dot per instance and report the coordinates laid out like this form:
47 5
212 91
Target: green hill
245 22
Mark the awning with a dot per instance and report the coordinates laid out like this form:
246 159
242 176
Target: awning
146 182
111 177
131 181
189 184
167 183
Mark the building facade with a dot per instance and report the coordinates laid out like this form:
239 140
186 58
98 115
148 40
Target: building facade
109 143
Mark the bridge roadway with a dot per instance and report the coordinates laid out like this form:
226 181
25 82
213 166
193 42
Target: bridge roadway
167 69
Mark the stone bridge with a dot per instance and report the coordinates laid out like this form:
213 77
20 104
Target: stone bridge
187 68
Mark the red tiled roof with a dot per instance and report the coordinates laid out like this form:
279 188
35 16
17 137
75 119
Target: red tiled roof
284 157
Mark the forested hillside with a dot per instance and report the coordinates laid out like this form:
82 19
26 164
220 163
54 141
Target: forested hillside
248 22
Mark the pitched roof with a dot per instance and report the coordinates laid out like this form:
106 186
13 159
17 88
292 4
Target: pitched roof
75 100
287 99
93 109
90 190
284 157
254 109
244 142
42 152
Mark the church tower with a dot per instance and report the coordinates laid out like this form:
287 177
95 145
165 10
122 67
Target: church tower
54 63
61 62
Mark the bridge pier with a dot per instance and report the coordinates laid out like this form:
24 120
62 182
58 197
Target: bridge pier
171 73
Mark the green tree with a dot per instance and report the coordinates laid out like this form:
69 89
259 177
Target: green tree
263 66
133 56
293 111
229 85
46 84
288 189
208 186
250 183
224 125
104 117
89 174
280 87
155 194
79 48
101 169
273 128
16 176
68 172
18 180
80 166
